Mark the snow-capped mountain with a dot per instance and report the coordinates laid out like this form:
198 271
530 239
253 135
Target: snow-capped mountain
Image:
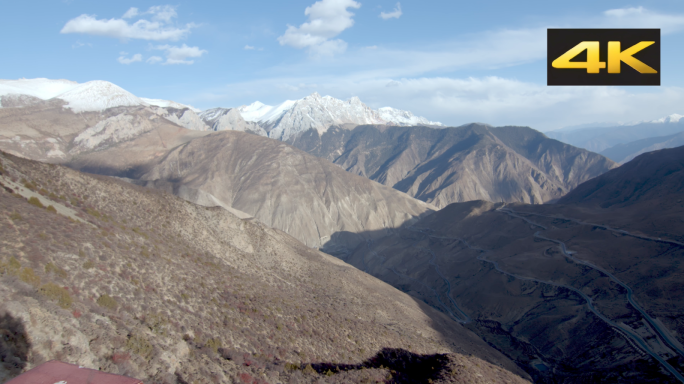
292 117
254 111
91 96
94 95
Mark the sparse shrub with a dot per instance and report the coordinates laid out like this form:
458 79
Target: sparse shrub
214 344
93 212
139 345
56 293
49 267
291 366
81 253
53 196
157 323
34 201
28 276
107 301
13 265
15 216
43 191
52 209
29 185
88 264
309 370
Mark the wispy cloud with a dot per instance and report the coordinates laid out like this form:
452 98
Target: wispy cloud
392 15
180 55
154 60
157 29
429 81
125 60
640 17
327 19
78 44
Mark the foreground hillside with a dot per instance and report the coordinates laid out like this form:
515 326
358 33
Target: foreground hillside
586 290
450 165
111 276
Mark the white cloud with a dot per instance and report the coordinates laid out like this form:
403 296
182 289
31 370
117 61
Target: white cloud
327 19
154 60
249 48
78 44
158 29
392 15
640 17
179 55
131 13
124 60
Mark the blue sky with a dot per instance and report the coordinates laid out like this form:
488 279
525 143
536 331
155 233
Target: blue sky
451 61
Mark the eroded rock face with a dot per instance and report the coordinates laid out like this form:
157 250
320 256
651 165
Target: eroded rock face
161 289
229 119
186 118
110 132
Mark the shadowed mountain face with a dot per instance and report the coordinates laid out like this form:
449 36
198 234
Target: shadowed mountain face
586 290
107 275
473 162
657 175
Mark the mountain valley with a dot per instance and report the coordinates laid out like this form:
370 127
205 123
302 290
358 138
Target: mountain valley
585 290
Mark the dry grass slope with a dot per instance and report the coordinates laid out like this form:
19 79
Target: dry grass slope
151 286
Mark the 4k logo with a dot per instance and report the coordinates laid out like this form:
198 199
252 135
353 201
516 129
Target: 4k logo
603 57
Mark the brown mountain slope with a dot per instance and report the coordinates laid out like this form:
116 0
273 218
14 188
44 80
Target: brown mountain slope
283 187
45 131
446 165
279 185
141 283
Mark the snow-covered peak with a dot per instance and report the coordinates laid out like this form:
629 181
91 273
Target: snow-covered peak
98 95
314 111
399 117
169 104
95 95
673 118
255 111
43 89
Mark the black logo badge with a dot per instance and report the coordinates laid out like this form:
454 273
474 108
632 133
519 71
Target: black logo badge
603 57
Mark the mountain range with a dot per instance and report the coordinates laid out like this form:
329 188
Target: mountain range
583 290
599 139
456 164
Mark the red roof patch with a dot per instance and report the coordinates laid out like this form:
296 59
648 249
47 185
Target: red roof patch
56 372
